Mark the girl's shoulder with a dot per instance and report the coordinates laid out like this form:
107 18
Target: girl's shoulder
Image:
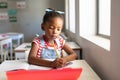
60 39
38 39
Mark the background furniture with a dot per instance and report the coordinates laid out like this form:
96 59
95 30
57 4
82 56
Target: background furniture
19 37
76 48
5 48
22 51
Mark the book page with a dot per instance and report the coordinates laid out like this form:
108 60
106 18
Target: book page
22 64
14 65
35 67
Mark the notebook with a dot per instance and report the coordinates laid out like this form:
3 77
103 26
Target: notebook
9 65
19 64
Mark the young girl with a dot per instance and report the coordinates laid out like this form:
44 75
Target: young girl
47 49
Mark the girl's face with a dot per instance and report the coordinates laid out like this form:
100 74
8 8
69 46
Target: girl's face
53 28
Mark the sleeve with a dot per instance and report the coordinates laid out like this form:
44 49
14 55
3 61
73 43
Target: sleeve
62 41
36 40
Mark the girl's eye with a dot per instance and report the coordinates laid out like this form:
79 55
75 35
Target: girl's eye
58 29
51 27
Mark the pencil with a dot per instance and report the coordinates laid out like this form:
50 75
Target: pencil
55 50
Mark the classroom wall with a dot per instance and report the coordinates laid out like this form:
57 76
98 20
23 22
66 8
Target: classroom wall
30 18
105 63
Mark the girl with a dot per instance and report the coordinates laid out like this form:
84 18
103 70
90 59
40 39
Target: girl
47 49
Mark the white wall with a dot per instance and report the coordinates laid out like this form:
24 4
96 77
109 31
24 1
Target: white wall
30 18
105 63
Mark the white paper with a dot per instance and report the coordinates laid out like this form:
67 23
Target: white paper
32 67
13 65
20 64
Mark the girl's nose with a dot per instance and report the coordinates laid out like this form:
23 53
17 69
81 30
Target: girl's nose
55 31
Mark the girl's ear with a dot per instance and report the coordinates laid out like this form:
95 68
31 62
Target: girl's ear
42 26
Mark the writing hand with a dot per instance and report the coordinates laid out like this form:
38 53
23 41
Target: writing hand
62 61
56 63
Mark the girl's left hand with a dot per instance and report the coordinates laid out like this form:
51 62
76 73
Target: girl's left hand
62 61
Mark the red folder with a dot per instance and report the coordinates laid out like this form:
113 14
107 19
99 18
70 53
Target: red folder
53 74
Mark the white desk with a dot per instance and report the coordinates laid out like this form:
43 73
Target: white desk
76 48
8 41
21 52
16 36
87 71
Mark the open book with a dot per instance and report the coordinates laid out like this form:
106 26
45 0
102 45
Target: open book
22 64
19 64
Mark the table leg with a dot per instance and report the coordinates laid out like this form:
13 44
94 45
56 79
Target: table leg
81 56
1 52
11 50
23 39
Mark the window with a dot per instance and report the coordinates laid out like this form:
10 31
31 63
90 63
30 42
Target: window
72 15
104 17
87 17
66 14
90 19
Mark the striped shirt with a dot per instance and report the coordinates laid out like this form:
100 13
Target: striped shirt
37 41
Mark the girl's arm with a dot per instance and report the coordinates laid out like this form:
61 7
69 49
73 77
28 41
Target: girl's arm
33 59
71 54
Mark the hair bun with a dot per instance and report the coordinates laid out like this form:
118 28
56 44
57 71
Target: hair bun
49 10
53 10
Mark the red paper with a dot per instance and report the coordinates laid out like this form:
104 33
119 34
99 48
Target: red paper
54 74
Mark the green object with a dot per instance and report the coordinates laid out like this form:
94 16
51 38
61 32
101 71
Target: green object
12 15
12 19
28 46
12 12
3 5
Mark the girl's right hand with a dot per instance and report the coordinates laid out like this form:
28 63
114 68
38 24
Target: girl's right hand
56 63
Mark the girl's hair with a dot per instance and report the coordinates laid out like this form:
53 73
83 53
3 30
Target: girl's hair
51 14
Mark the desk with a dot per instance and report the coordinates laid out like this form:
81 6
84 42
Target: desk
76 48
16 36
87 73
5 40
22 51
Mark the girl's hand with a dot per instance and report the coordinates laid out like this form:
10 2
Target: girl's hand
62 61
56 63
